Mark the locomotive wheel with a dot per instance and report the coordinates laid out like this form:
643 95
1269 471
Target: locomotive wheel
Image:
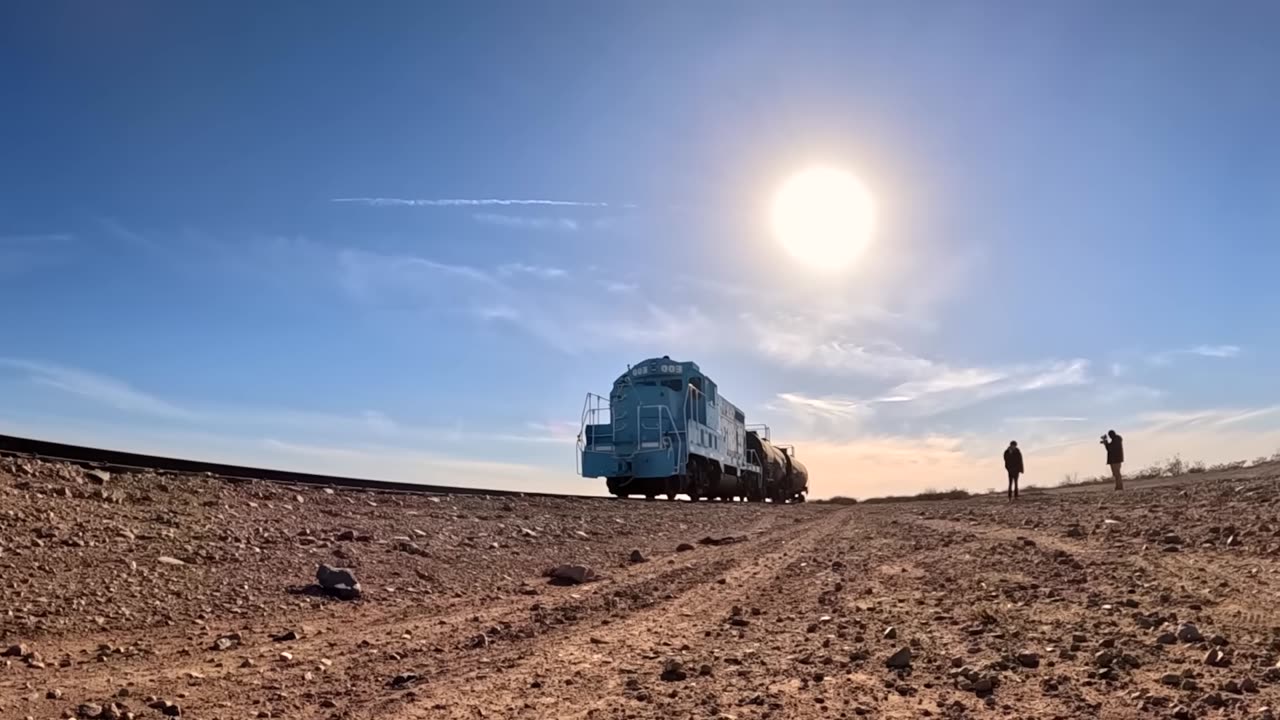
671 496
647 496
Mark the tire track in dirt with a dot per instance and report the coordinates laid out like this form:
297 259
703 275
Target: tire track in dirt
359 645
593 665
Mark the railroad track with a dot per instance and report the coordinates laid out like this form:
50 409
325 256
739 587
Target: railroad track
118 461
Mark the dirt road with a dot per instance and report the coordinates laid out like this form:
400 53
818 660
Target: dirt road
1155 603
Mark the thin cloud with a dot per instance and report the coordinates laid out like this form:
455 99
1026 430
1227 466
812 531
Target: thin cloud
1044 419
828 407
1216 351
25 253
526 222
1167 357
546 273
99 388
1215 417
463 202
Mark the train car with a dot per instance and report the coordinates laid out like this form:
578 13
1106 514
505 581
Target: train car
785 479
665 429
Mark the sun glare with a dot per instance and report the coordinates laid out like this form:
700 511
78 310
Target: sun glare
823 217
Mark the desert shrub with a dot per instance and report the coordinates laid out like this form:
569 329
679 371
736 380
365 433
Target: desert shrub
839 500
1222 467
1196 467
930 494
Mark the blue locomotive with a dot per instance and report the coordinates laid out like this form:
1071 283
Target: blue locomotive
666 430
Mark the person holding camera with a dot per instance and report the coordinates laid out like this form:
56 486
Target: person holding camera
1115 455
1013 464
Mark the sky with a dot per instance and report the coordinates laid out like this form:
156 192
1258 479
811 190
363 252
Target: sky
402 240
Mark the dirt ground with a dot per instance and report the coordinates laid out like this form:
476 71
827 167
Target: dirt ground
163 596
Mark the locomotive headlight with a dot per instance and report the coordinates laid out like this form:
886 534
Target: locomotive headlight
824 217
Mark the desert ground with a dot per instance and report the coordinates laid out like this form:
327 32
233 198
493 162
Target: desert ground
149 596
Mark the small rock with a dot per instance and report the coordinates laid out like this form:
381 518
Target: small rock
1218 640
900 659
98 477
1189 633
1028 660
983 685
1234 541
1248 685
54 694
1216 658
89 710
637 557
1167 638
18 650
166 708
571 575
226 642
338 582
891 633
1182 712
673 671
403 680
1171 679
166 560
1075 531
684 547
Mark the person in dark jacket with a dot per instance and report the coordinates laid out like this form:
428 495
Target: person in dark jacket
1115 455
1013 463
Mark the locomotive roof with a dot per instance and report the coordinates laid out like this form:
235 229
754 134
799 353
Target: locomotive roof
686 368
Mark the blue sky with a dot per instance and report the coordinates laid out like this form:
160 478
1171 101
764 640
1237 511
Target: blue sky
403 240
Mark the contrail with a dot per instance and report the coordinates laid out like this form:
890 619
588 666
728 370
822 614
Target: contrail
463 202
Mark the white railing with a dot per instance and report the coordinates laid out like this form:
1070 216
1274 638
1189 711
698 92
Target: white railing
663 437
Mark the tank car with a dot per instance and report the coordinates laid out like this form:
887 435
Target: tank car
785 479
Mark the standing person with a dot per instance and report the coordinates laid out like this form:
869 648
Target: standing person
1013 463
1115 455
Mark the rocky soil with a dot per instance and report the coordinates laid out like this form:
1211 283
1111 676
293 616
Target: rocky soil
155 596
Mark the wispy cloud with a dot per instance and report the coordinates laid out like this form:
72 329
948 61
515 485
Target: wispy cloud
546 273
99 388
1217 351
528 223
827 407
37 239
1167 357
1216 417
24 253
1044 419
463 202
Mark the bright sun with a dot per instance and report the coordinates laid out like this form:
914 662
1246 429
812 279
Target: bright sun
824 217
